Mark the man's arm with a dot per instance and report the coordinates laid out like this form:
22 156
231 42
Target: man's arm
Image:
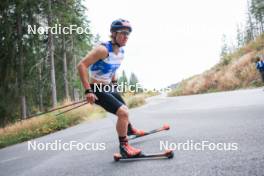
96 54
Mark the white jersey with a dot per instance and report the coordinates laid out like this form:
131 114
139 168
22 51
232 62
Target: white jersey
104 69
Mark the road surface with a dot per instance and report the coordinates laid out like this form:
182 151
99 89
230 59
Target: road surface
226 119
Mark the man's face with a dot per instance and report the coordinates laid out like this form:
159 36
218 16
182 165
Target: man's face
122 36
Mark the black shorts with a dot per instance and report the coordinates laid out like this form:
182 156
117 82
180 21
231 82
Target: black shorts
109 99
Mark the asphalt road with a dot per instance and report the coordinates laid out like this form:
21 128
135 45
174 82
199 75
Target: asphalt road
226 119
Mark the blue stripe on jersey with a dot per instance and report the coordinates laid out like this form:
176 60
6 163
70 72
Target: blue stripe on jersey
104 67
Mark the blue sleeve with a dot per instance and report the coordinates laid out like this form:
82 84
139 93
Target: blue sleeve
262 64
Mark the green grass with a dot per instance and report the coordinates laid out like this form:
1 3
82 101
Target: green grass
39 126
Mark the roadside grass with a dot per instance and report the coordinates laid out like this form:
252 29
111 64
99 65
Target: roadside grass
39 126
45 124
136 100
236 71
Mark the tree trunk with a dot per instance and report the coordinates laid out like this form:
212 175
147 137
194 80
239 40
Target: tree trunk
251 26
76 95
21 64
261 24
41 108
65 72
51 57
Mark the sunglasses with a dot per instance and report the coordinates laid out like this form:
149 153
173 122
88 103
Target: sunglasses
124 32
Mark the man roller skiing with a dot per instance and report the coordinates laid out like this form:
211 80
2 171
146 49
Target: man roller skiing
98 68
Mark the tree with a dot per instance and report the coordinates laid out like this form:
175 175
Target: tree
20 60
224 49
123 79
133 81
240 37
249 28
28 61
51 57
257 10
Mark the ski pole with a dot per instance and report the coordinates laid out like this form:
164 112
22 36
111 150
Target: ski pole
35 115
72 108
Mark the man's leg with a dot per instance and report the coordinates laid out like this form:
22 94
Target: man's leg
122 120
121 127
111 104
130 129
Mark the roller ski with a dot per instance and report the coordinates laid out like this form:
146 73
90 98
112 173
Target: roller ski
135 133
128 152
167 154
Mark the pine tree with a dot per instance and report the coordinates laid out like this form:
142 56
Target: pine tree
249 29
51 57
20 59
224 49
240 37
133 81
123 79
257 10
26 66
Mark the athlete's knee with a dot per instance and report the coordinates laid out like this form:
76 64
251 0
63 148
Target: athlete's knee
122 112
